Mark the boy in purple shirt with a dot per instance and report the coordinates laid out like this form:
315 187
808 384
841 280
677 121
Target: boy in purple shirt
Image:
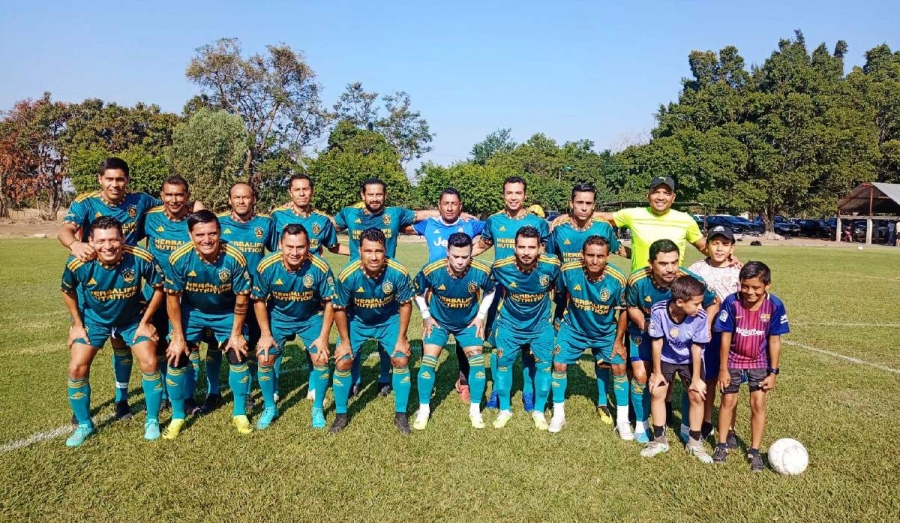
752 322
678 331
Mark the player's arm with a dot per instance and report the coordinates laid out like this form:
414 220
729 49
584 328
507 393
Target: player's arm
177 344
774 358
77 330
266 340
341 249
146 327
724 349
624 251
481 245
321 343
409 229
697 383
343 328
81 250
402 341
428 322
712 310
621 327
636 316
482 313
237 341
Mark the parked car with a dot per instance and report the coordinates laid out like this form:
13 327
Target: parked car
738 225
814 228
786 228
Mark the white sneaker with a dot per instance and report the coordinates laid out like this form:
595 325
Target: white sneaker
557 423
540 421
502 419
421 419
624 430
477 420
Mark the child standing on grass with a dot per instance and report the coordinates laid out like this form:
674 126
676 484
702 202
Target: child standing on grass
679 330
752 322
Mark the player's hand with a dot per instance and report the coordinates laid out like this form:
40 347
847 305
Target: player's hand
176 348
342 350
466 217
479 327
402 347
699 387
263 346
768 383
147 330
427 326
559 220
724 380
321 356
83 251
76 332
735 262
237 343
657 380
620 349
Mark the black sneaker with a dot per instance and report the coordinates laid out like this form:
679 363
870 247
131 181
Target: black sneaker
731 440
340 422
384 390
191 408
123 411
213 401
756 462
354 390
721 454
401 421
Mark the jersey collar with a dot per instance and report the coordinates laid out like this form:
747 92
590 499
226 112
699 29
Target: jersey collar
302 265
112 265
587 276
378 275
236 219
300 214
103 199
218 256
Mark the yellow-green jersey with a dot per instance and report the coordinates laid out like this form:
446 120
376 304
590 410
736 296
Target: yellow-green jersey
646 227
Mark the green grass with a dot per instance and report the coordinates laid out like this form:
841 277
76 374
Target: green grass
842 412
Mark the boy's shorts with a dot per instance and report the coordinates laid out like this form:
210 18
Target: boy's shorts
509 343
640 346
97 334
464 337
754 379
712 353
570 345
683 370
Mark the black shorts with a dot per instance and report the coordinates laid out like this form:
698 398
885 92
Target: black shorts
669 370
754 379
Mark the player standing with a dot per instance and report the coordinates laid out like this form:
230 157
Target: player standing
300 211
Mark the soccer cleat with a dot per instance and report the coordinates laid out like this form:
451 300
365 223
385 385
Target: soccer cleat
242 424
421 420
82 432
463 391
212 402
354 390
477 420
266 418
311 394
731 440
191 407
339 423
540 421
654 448
384 390
173 429
624 430
401 421
695 448
494 401
557 423
151 430
720 454
642 437
502 419
756 462
123 411
528 401
318 418
605 416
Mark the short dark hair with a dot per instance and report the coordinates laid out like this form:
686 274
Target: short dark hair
300 176
175 179
204 216
583 187
372 181
373 235
686 287
756 269
515 179
115 163
449 190
248 184
294 229
595 239
662 246
528 232
107 222
459 239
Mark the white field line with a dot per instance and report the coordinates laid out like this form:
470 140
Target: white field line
841 356
839 324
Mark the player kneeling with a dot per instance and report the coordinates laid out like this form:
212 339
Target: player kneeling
678 330
449 292
594 297
111 285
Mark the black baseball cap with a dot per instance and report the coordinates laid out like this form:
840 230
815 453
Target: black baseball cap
662 180
720 230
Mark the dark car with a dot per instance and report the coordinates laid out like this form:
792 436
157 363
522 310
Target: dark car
786 228
813 228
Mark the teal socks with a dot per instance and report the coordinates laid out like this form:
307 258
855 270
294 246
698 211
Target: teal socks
402 383
638 393
541 385
427 374
239 381
319 378
343 380
602 383
121 359
620 390
177 381
80 400
559 384
504 386
213 368
266 377
477 378
153 391
528 372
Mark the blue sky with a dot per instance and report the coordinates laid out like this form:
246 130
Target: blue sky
571 70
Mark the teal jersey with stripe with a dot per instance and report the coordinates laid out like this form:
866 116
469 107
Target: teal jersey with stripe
318 225
252 237
391 221
591 306
525 298
164 235
373 301
112 294
566 241
208 287
293 296
500 231
641 292
453 301
131 211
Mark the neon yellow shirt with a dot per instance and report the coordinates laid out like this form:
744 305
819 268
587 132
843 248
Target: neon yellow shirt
647 227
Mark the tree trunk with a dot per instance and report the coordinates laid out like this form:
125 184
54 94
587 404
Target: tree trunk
769 219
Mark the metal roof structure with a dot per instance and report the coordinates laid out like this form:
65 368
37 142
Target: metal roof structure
872 199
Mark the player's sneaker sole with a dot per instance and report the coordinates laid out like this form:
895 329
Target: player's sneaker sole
174 429
502 419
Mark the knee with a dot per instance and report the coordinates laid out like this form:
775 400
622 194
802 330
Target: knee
560 367
758 402
618 369
659 392
343 364
695 398
78 370
399 361
729 400
234 358
639 374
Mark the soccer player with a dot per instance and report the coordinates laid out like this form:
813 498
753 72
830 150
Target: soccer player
500 231
292 295
752 322
111 307
454 295
567 238
523 320
646 287
594 294
208 287
373 302
437 232
300 210
678 330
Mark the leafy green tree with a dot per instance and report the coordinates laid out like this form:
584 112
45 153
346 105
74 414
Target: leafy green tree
114 128
148 171
480 186
499 141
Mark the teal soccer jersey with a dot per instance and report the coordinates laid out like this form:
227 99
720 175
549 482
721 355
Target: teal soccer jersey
252 237
525 305
294 296
500 231
112 294
318 225
591 305
391 221
164 235
566 241
643 293
131 211
208 287
373 301
454 302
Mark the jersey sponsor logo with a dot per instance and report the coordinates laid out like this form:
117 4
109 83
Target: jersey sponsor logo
604 295
545 280
309 281
438 242
132 211
92 281
128 275
258 232
387 287
749 332
441 287
224 274
192 274
316 229
386 219
360 290
279 282
473 287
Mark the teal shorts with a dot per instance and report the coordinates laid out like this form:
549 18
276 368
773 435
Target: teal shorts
98 334
509 343
571 344
200 326
307 331
640 348
464 337
385 334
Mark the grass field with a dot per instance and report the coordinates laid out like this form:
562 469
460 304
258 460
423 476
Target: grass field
839 300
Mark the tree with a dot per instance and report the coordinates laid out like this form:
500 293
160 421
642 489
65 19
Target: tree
480 186
357 106
498 141
148 171
114 128
275 95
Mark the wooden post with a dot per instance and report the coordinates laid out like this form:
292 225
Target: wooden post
868 231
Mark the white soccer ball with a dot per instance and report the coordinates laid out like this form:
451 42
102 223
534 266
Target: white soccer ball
788 457
860 247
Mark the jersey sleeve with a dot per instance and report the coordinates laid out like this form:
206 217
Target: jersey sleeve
405 292
560 283
419 227
487 283
477 228
701 332
174 277
623 218
613 241
272 237
552 242
421 283
78 213
486 234
342 296
261 288
632 295
69 278
329 235
152 273
240 279
151 201
709 297
692 233
725 318
405 216
657 322
779 323
340 219
544 230
326 285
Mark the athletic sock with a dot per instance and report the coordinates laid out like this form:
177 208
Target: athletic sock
559 385
426 377
213 368
355 370
266 377
277 368
384 367
476 378
559 409
193 376
528 372
343 380
622 415
402 383
620 390
659 431
641 426
474 409
176 384
239 381
637 399
504 386
694 434
319 378
153 390
161 367
80 399
706 429
495 373
253 367
602 383
541 386
122 362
